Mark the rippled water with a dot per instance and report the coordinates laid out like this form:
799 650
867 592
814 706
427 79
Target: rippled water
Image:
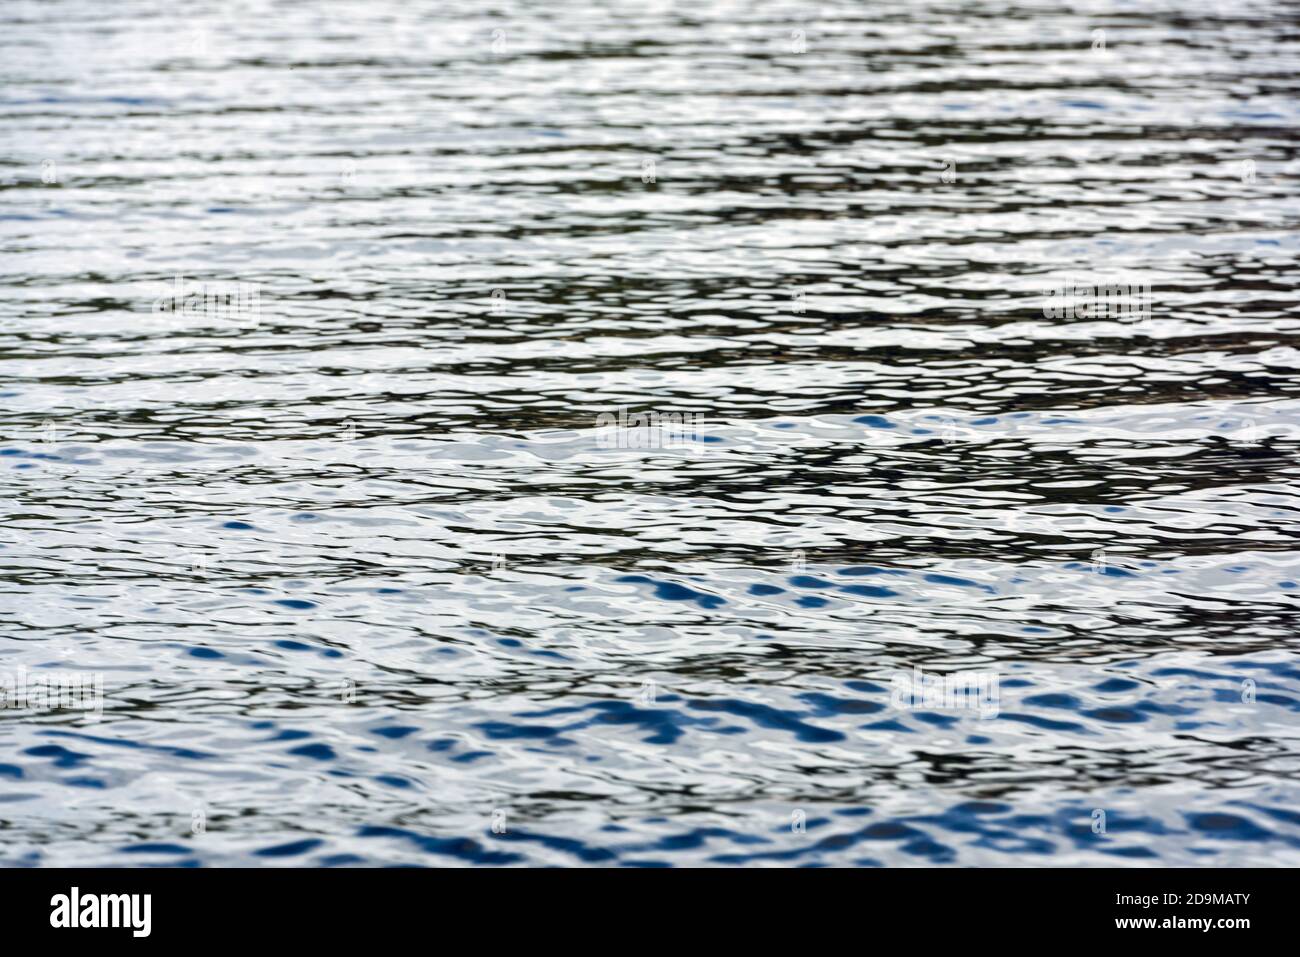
367 578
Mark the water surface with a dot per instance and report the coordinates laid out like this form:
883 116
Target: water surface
368 584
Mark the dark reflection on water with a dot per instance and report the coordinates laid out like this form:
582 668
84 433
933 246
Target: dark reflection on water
369 580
